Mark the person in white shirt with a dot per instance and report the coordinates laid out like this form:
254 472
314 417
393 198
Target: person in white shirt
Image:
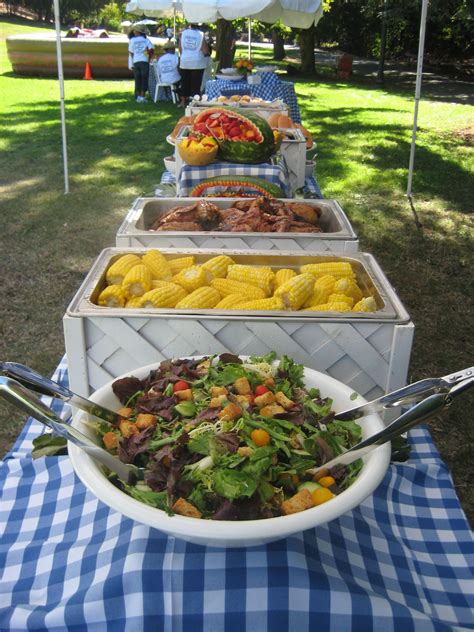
167 66
141 51
194 53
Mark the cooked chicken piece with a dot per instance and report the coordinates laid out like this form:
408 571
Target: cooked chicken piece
208 214
305 211
242 205
178 214
184 226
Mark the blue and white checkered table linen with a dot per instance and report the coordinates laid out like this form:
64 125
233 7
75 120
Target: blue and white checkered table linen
275 172
271 87
401 561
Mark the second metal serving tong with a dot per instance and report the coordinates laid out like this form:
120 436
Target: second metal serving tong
407 395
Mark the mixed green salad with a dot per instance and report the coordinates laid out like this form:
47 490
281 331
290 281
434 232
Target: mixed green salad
229 439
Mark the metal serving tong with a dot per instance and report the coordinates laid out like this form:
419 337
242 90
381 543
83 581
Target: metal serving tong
412 417
45 386
406 395
24 399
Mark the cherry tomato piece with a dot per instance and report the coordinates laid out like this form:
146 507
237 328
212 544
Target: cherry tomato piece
181 385
260 390
260 437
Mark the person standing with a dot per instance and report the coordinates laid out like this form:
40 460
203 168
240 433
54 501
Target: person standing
194 53
141 51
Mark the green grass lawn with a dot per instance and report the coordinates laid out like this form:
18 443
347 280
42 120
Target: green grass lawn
116 147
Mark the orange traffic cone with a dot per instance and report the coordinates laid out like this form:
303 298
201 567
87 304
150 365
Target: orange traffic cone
87 74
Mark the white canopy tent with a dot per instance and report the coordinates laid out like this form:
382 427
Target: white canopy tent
293 13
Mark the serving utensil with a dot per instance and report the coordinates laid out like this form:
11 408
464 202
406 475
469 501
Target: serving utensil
412 417
24 399
43 385
406 395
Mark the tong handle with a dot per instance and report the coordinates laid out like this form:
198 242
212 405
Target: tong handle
35 381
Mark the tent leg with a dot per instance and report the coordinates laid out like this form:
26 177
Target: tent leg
249 39
419 74
61 93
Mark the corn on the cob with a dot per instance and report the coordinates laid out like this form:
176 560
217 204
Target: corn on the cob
158 265
231 301
329 307
272 303
193 277
296 291
321 290
181 263
112 296
155 283
260 276
202 298
134 302
338 269
137 281
340 298
163 296
244 290
217 266
366 304
282 275
117 271
348 287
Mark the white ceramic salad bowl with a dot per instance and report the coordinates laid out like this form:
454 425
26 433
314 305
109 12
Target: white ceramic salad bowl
225 533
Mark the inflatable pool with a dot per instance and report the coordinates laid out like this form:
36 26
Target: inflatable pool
35 55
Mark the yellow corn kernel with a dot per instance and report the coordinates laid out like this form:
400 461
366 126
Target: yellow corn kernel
158 265
341 298
112 296
260 276
137 281
338 269
282 275
296 291
366 304
134 302
193 277
181 263
202 298
244 290
117 271
231 301
163 297
217 266
329 307
272 303
348 287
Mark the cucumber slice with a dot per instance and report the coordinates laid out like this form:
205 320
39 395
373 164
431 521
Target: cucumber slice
309 485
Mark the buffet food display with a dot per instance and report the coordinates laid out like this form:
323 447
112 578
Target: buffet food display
331 232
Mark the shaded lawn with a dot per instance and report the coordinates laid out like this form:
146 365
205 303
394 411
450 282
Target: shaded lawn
116 148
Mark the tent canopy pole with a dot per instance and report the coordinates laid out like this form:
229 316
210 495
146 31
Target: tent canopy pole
249 38
61 92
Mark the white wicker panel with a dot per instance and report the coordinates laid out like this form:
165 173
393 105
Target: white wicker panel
306 244
361 355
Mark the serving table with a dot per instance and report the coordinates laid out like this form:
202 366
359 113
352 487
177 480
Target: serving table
402 560
270 88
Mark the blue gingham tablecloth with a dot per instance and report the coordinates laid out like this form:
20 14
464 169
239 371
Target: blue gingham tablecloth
275 172
271 87
402 560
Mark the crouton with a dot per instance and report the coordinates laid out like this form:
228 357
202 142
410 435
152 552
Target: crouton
184 395
242 386
127 428
269 382
231 411
271 410
243 400
265 399
216 402
245 450
110 440
183 508
144 420
215 391
283 400
299 502
124 412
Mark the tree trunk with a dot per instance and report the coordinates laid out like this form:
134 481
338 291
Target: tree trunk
278 46
383 45
225 43
308 66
